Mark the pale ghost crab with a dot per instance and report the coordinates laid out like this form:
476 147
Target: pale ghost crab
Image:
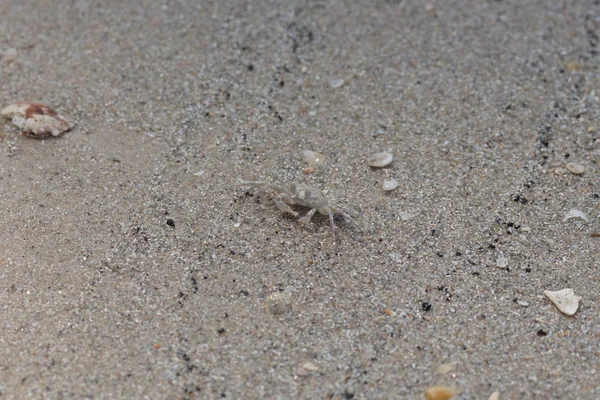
287 195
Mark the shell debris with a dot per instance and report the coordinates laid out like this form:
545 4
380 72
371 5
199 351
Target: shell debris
576 214
336 83
495 396
443 369
390 184
380 160
8 55
565 300
440 393
313 158
575 168
36 120
278 303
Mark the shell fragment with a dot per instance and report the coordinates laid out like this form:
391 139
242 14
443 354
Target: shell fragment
36 120
565 300
390 184
313 158
439 393
575 168
576 214
379 160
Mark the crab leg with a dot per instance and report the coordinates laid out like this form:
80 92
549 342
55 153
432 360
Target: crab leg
282 205
308 216
331 223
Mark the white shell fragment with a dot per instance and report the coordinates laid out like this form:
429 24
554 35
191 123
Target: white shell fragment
8 55
379 160
278 303
405 216
313 158
565 300
336 83
495 396
576 214
390 184
36 120
502 262
575 168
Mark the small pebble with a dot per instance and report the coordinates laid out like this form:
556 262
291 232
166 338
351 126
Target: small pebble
379 160
575 168
559 171
565 300
523 303
336 83
390 184
440 393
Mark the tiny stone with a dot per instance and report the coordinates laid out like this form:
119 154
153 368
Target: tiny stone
575 168
559 171
523 303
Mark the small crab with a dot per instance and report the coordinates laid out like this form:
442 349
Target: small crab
291 194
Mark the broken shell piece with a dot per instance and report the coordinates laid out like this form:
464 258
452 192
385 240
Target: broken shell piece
8 55
336 83
575 168
576 214
439 393
379 160
390 184
443 369
278 303
310 366
36 120
495 396
313 158
565 300
502 262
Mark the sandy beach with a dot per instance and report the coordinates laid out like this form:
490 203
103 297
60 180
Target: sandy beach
134 265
